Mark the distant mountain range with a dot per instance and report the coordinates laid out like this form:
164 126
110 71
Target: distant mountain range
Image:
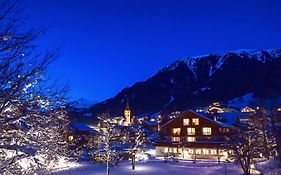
198 81
82 103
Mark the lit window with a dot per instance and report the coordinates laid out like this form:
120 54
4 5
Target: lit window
213 152
190 131
166 150
176 131
207 131
205 151
180 150
195 121
191 151
185 121
191 139
198 151
170 150
175 150
175 139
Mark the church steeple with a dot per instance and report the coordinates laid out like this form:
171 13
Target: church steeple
127 113
127 105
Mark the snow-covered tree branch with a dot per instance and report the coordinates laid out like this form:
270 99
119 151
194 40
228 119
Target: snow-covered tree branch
33 121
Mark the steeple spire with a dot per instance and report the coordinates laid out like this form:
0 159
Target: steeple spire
127 105
127 114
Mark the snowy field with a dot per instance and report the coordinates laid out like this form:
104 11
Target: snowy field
155 168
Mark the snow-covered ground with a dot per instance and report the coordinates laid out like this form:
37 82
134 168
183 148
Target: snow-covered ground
271 166
155 168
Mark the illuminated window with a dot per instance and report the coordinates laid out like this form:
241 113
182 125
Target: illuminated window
176 131
175 150
185 121
176 139
180 150
190 131
195 121
170 150
205 151
166 150
191 151
191 139
207 131
213 152
198 151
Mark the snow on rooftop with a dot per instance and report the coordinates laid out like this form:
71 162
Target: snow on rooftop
81 126
149 122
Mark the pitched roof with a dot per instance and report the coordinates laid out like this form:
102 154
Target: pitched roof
149 122
81 127
228 123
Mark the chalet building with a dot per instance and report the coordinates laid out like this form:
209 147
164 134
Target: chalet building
80 134
151 125
217 107
140 119
248 109
194 135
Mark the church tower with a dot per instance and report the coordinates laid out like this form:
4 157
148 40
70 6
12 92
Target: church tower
127 114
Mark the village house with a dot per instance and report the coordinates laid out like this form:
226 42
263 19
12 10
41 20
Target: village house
194 135
80 134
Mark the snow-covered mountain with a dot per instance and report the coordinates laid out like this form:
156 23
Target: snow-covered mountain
198 81
82 103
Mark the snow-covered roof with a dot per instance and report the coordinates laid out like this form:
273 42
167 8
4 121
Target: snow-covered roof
230 119
207 117
149 122
139 116
81 127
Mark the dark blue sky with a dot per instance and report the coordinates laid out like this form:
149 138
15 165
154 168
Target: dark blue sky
110 44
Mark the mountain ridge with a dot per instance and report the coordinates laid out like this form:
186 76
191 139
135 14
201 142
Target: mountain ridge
197 81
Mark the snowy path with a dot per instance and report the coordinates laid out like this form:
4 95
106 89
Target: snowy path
155 168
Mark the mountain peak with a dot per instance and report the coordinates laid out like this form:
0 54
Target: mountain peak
198 81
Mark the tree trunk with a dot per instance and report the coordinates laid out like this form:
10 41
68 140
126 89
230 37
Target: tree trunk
107 167
219 159
133 161
107 164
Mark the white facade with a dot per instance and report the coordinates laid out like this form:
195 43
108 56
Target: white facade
192 153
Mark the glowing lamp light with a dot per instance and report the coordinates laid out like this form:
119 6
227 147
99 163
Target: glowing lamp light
141 157
70 138
252 166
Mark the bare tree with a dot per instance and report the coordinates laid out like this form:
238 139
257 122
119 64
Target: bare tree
33 120
135 139
111 141
245 146
268 112
262 122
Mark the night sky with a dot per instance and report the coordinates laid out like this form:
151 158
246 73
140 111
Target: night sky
108 45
